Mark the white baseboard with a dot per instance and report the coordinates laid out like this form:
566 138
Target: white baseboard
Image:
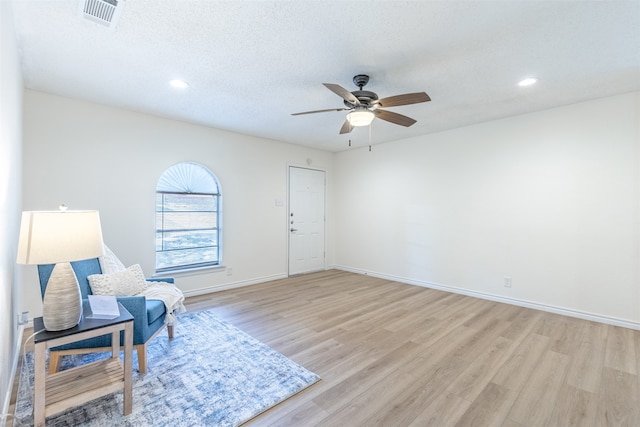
498 298
12 376
233 285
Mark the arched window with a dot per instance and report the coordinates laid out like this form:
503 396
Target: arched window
187 218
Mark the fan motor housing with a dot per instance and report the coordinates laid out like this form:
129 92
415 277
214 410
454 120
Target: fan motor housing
365 97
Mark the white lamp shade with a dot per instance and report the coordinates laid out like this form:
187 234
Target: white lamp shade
49 237
361 117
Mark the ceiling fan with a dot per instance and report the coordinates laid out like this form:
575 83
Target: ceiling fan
364 105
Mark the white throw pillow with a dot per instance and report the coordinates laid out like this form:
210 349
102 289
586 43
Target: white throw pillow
131 281
109 262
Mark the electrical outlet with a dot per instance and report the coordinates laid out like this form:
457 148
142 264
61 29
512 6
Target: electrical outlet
229 271
507 282
23 318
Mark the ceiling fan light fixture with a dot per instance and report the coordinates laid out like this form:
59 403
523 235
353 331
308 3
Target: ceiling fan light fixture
179 84
360 117
364 106
529 81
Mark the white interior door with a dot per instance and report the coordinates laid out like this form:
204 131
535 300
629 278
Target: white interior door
306 220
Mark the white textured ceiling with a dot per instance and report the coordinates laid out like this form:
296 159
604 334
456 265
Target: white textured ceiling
250 64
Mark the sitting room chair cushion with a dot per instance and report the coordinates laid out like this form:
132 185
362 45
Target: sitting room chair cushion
155 310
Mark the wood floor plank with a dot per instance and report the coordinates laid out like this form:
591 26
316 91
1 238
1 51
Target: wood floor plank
445 411
434 355
621 353
425 388
441 328
490 408
308 414
485 332
522 321
516 370
511 423
618 400
537 398
585 369
479 372
574 407
341 394
563 331
357 411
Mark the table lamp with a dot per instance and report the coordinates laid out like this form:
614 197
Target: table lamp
59 237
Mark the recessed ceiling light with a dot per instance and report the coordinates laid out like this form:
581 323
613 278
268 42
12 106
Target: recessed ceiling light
528 81
180 84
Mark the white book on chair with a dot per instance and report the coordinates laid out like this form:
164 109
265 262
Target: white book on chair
103 307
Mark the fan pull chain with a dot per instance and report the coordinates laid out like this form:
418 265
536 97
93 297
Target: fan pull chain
370 126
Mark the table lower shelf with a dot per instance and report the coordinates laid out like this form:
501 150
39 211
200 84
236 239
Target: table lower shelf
81 384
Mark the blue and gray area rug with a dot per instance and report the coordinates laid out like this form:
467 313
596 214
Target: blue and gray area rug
210 374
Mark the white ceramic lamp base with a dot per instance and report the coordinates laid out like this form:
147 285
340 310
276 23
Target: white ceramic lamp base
62 302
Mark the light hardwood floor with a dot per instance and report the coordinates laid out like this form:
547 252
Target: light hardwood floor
392 354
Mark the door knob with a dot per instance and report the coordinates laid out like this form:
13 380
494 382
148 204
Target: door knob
294 229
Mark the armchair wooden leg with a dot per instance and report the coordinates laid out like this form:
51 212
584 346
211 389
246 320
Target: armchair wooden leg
54 362
170 331
141 349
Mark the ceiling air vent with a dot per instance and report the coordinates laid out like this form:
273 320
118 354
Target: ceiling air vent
104 12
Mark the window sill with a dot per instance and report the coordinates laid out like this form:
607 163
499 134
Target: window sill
191 271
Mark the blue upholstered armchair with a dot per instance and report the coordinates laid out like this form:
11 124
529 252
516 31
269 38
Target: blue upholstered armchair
148 317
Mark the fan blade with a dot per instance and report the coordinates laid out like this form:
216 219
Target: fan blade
343 93
396 118
346 127
406 99
319 111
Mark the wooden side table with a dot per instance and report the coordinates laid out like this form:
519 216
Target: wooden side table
62 390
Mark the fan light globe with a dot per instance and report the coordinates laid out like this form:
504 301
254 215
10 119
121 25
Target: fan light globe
528 81
362 117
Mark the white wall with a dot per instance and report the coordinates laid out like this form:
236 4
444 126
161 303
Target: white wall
10 197
90 156
550 199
